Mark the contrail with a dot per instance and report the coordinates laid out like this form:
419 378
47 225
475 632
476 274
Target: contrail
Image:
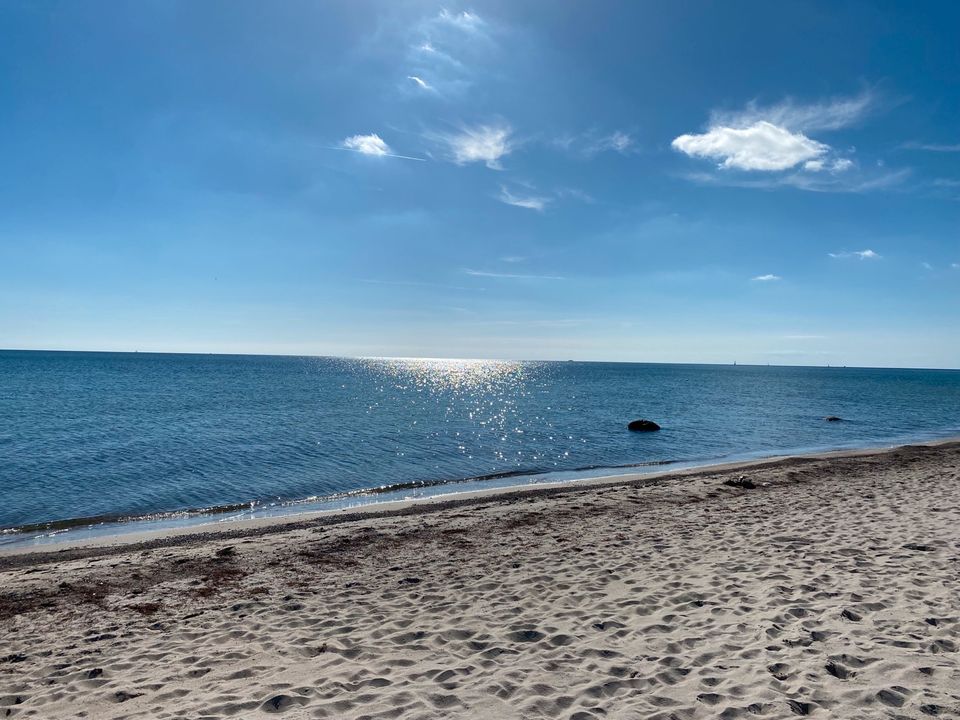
402 157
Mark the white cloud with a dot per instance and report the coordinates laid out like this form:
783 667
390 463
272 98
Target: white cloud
775 138
860 254
512 258
767 278
484 143
761 146
528 202
926 266
371 144
511 276
420 82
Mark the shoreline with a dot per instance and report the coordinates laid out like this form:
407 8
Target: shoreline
824 586
216 530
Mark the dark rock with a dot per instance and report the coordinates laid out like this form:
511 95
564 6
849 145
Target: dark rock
919 547
410 581
851 615
832 418
742 482
643 426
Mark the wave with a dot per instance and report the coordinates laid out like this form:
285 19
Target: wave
55 526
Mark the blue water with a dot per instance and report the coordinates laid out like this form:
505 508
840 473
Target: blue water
107 435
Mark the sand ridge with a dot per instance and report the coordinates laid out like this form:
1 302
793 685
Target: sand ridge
832 589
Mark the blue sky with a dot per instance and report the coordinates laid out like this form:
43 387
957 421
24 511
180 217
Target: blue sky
650 181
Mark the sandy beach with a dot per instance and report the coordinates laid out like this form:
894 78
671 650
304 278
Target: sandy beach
821 586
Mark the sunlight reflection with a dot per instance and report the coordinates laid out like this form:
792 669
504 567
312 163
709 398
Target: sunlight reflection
458 376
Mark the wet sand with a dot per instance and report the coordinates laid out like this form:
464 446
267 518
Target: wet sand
823 586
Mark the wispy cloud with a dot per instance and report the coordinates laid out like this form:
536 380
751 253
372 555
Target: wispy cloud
932 147
834 166
430 52
766 278
831 114
594 142
512 259
371 145
530 202
449 50
617 141
859 254
830 182
955 266
419 82
483 143
464 20
511 276
575 194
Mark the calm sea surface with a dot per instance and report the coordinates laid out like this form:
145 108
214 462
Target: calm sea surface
105 435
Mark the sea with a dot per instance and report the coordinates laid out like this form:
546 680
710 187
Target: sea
101 443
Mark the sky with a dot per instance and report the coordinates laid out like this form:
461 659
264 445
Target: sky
641 181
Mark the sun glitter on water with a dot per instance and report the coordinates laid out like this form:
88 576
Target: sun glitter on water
457 375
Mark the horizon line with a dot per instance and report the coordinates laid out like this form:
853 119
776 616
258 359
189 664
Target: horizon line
733 363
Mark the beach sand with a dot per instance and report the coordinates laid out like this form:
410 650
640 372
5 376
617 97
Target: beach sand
831 589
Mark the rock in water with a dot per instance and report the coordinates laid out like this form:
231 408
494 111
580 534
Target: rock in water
832 418
643 426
